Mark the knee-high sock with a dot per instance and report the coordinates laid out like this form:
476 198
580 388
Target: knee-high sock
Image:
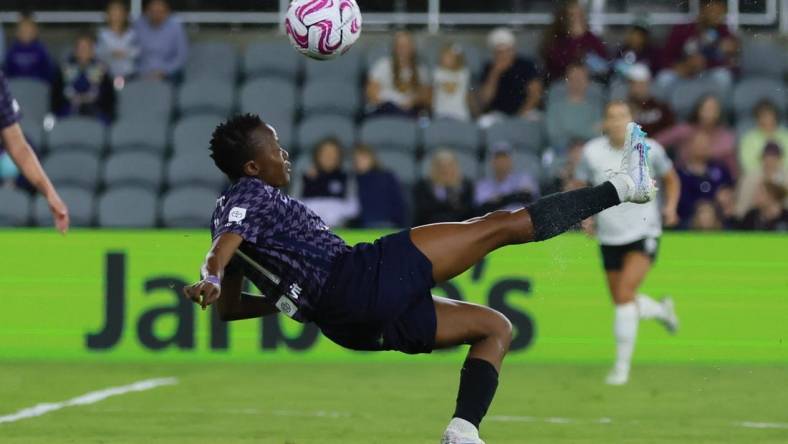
625 329
557 213
648 308
478 382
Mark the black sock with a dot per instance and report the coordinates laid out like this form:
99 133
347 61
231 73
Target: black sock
556 213
478 382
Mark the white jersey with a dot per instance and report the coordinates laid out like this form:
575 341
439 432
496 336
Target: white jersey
628 222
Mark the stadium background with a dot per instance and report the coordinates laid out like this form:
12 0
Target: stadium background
720 380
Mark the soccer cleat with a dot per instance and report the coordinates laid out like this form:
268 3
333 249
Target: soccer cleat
634 167
619 375
671 320
461 431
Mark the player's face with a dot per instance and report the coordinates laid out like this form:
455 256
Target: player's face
271 164
616 120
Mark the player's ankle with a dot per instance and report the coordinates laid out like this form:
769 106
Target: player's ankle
624 186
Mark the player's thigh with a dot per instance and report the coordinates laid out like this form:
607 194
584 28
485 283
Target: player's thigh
636 266
465 323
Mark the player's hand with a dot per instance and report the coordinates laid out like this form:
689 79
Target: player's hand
59 213
670 218
203 293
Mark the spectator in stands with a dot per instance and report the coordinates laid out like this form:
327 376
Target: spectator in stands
706 118
568 40
2 42
563 168
83 85
451 98
399 84
707 45
505 188
381 201
767 129
117 42
163 42
706 217
444 196
327 187
573 114
27 56
653 115
769 213
772 169
636 49
511 84
701 177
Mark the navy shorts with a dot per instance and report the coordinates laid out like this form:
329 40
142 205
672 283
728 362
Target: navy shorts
378 297
613 255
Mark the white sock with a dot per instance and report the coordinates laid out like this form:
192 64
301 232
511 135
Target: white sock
624 186
463 427
625 329
648 308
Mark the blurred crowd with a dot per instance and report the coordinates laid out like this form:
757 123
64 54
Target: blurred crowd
732 176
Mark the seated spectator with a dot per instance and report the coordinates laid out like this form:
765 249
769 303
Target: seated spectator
767 129
701 177
83 85
773 169
564 167
117 42
163 42
654 116
379 192
706 217
636 49
568 40
505 189
444 196
706 118
511 83
451 97
327 187
769 212
707 45
574 115
398 84
27 56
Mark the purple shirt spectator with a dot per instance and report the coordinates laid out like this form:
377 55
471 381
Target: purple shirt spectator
282 235
30 60
698 186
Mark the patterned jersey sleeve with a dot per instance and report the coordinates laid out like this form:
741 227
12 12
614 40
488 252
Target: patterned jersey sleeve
245 213
660 162
9 109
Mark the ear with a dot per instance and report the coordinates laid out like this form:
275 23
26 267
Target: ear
251 168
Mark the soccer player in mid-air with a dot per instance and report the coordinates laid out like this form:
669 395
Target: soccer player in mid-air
629 234
14 142
376 296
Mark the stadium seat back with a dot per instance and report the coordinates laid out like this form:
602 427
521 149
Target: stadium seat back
15 207
206 95
390 133
134 168
330 97
455 134
188 207
75 168
78 133
316 128
127 207
80 202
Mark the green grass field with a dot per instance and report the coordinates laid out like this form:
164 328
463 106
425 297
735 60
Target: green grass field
400 402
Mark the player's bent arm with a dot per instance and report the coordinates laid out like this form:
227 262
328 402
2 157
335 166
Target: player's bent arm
233 304
208 290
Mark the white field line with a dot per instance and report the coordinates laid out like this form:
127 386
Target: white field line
763 425
87 398
560 420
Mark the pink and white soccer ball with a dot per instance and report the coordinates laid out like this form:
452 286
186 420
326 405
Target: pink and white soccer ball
323 29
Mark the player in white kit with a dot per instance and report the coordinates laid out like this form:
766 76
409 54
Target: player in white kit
629 234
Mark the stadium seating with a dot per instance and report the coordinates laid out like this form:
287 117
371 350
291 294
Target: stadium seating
390 133
187 207
750 91
686 93
146 100
403 165
75 168
193 134
269 97
271 59
192 168
15 210
524 135
469 165
330 97
345 69
206 95
133 168
77 133
81 207
134 135
214 60
761 58
127 207
460 136
33 98
316 128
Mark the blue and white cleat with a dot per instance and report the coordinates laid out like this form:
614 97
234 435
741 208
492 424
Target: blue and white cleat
461 431
634 166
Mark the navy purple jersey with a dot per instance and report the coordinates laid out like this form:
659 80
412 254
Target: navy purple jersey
280 234
9 109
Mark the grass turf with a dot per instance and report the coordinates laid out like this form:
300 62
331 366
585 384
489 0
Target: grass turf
400 402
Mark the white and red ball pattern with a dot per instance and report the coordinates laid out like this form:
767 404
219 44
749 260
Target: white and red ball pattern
323 29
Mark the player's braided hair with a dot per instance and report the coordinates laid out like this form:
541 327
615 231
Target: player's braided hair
232 145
